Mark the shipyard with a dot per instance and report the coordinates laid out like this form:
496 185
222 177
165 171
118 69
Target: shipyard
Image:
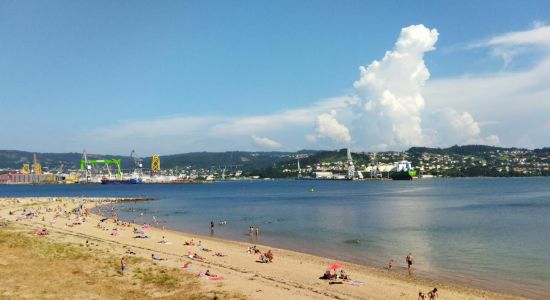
98 171
111 171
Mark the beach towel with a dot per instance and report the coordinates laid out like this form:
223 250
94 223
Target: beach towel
354 282
216 278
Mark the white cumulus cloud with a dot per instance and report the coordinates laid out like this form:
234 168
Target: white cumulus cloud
449 126
328 127
390 105
265 142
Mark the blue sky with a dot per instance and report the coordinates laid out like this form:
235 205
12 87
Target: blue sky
77 74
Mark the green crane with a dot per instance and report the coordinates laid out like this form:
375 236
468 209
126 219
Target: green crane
96 162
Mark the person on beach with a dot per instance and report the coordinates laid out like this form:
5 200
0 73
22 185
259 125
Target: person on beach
329 275
263 258
122 264
390 264
344 275
257 231
250 230
409 259
211 225
421 295
196 256
269 255
432 295
156 257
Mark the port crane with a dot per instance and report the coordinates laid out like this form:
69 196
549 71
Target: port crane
155 165
86 166
138 162
36 166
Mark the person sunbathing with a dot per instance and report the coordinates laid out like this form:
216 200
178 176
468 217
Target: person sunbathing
42 231
141 236
328 275
156 257
196 256
207 273
219 254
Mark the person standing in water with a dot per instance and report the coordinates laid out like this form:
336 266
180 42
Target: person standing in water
409 260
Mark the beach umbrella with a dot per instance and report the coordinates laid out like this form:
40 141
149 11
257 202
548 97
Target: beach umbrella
335 266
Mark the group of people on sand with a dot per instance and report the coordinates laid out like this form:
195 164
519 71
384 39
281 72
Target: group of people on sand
264 257
334 275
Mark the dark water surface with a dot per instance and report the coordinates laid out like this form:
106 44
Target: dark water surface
492 233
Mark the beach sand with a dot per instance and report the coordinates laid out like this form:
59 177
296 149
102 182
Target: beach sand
291 275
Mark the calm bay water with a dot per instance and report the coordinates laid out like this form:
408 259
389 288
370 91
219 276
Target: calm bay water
491 233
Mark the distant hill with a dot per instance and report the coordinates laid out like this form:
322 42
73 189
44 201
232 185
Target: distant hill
237 159
461 150
332 156
267 164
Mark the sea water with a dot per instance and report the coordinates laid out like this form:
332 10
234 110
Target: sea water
492 233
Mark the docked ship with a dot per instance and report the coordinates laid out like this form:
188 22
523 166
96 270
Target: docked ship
106 180
403 171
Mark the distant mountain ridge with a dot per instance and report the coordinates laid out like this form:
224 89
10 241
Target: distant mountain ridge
245 160
15 159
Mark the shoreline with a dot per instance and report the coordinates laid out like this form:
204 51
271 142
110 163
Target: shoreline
292 274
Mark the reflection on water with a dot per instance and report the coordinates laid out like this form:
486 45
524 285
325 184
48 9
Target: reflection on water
493 232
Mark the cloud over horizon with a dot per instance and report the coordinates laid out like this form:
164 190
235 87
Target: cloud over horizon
393 105
266 142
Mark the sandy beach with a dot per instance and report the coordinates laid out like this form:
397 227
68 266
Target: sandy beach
238 274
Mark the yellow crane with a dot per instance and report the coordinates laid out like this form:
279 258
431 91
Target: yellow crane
36 166
155 164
